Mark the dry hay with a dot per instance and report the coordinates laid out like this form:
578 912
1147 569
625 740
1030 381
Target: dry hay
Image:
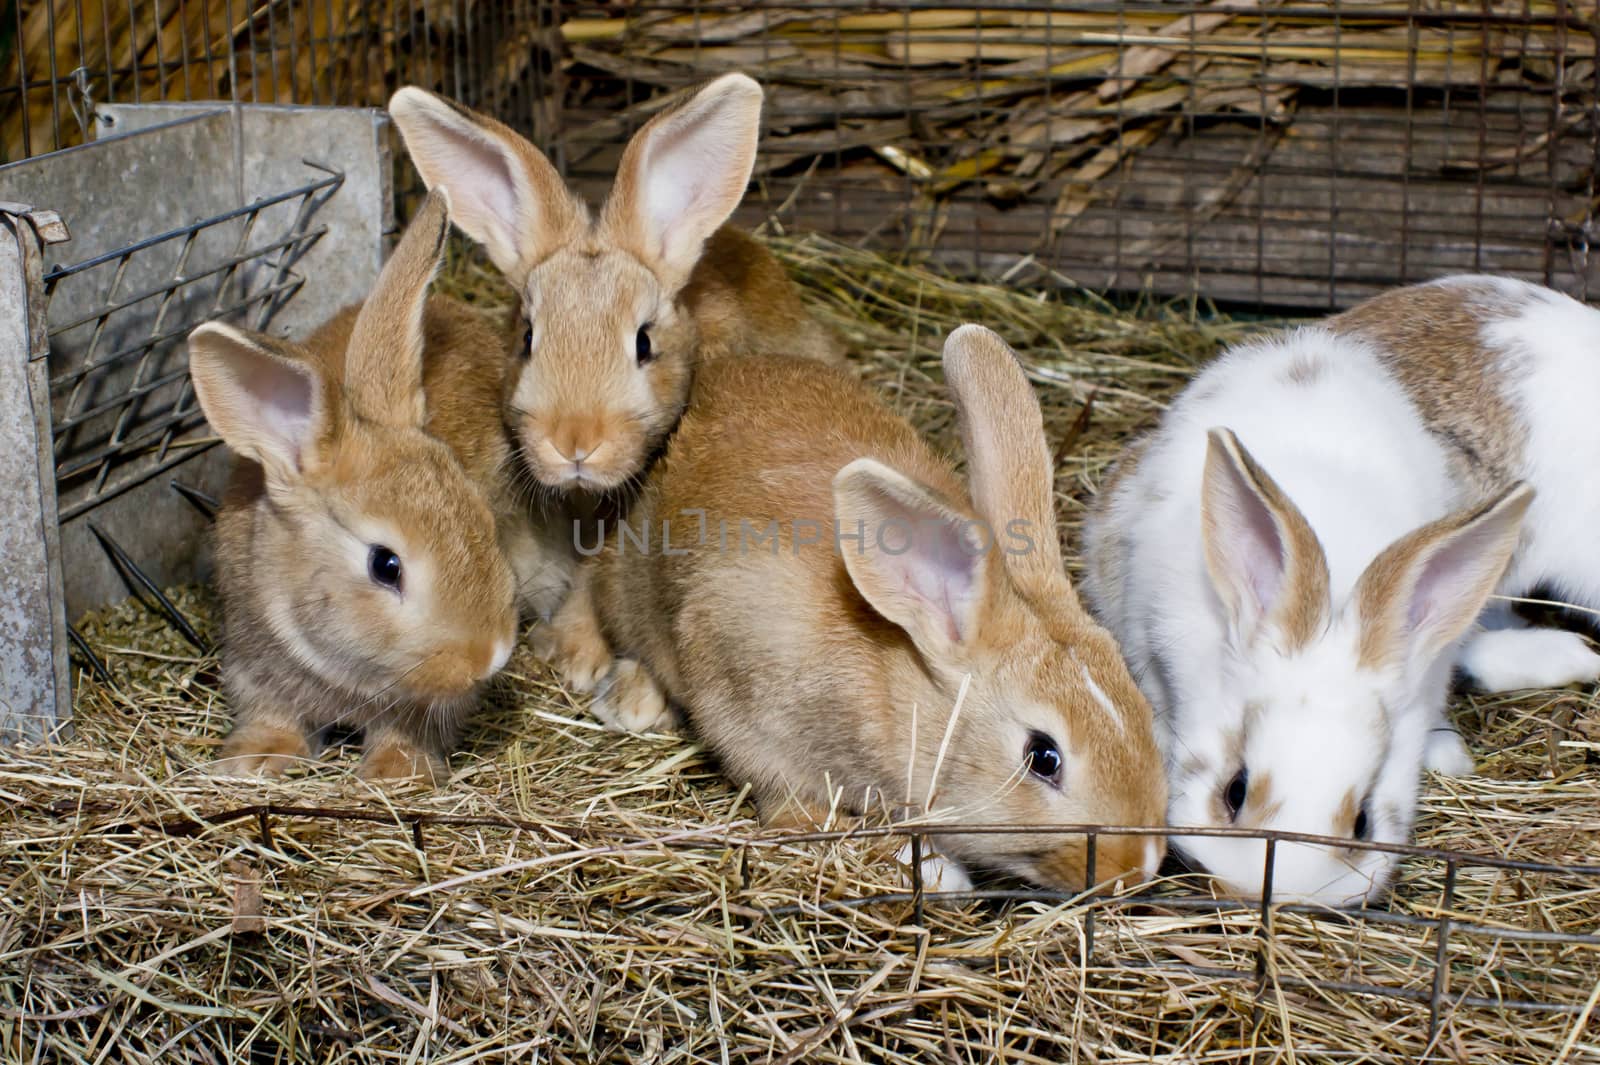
574 895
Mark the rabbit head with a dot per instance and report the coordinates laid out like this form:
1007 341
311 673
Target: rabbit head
375 558
1050 728
1318 724
604 353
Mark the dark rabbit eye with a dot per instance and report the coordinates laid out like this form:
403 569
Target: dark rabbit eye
383 565
1234 795
1044 758
1363 823
641 344
527 342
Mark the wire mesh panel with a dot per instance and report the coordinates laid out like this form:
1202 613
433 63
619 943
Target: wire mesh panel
1269 153
1259 151
59 59
124 410
177 214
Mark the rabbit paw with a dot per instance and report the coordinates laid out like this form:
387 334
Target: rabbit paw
396 759
1447 753
938 872
1500 660
260 750
574 646
632 701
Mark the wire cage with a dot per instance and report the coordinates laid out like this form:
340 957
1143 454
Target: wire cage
163 229
1270 154
1265 155
120 387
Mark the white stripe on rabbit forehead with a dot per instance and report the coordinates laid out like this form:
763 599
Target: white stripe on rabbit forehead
1098 695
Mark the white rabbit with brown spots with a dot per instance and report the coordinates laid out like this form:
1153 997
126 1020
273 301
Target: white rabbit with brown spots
1290 563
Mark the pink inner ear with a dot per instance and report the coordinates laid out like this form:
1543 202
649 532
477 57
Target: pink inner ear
686 178
939 568
482 185
1250 544
1263 556
282 397
483 180
1454 581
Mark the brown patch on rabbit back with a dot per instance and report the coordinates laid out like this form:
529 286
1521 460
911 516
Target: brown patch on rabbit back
745 303
1431 338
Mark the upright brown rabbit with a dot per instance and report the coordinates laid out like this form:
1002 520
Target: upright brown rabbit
371 547
819 591
617 309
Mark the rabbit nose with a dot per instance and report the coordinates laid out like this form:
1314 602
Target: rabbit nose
577 439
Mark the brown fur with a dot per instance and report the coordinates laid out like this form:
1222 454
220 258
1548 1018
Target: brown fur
1344 818
745 303
1384 591
404 447
1261 806
801 685
1430 339
587 415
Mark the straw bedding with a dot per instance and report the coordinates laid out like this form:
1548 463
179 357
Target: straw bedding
572 895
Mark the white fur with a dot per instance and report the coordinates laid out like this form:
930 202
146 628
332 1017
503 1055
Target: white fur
1503 660
939 873
1329 424
1548 355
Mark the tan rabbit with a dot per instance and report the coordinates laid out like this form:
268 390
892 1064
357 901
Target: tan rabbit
618 309
362 578
816 588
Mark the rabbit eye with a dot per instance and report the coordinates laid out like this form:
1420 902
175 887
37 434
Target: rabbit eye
641 345
1236 792
527 342
1044 758
383 565
1363 823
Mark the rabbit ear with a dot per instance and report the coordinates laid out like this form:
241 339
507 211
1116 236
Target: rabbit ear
1423 591
266 403
1265 562
504 193
383 361
1008 459
917 562
683 174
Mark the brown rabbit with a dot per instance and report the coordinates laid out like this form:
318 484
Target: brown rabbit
824 671
618 309
362 577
